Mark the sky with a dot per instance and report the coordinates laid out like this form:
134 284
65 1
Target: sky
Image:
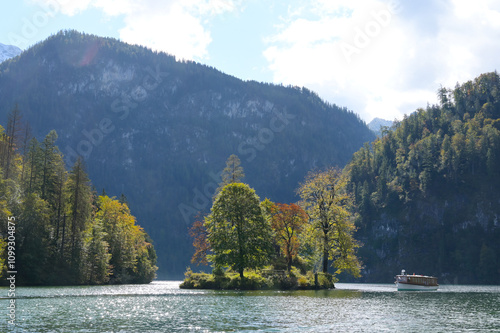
379 58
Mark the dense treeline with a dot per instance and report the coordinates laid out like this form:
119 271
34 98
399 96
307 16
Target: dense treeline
427 190
65 233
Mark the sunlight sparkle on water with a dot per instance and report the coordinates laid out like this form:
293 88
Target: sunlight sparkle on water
161 306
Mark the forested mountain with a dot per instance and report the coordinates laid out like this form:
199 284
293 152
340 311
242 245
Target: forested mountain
428 190
160 130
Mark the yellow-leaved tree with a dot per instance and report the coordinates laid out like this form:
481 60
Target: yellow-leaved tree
133 259
328 205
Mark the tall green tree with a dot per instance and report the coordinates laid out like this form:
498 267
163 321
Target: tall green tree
14 127
51 159
32 240
79 208
325 200
238 232
34 162
24 150
96 267
146 268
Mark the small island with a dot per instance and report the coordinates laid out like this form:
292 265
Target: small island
254 245
264 279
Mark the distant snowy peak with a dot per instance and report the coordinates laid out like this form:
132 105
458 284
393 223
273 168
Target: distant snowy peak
8 51
377 123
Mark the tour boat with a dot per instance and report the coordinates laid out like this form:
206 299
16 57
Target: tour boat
415 282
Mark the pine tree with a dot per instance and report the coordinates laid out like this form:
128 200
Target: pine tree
50 159
12 135
24 150
232 173
79 211
34 159
32 240
96 262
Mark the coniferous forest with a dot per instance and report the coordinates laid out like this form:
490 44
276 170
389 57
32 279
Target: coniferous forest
427 190
65 233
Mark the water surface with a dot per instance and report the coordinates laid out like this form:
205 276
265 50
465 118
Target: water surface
163 307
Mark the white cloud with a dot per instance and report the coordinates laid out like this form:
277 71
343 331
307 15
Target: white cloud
67 7
174 26
382 58
177 32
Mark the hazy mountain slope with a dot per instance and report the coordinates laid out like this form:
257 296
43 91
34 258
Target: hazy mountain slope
159 130
377 124
8 51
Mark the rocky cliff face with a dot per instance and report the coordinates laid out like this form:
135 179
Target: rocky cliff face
441 237
159 130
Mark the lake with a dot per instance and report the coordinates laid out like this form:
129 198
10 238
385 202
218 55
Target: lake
163 307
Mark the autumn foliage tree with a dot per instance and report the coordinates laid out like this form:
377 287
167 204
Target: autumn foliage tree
128 243
328 205
288 222
199 233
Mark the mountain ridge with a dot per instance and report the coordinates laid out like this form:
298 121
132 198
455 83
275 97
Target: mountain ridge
160 130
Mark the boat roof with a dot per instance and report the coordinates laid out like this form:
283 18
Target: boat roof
417 275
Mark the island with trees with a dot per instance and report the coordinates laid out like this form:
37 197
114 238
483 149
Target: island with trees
254 244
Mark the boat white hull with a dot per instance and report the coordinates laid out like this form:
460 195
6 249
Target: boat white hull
416 287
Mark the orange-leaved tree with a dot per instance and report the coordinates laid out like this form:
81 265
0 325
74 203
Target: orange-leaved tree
288 222
199 234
